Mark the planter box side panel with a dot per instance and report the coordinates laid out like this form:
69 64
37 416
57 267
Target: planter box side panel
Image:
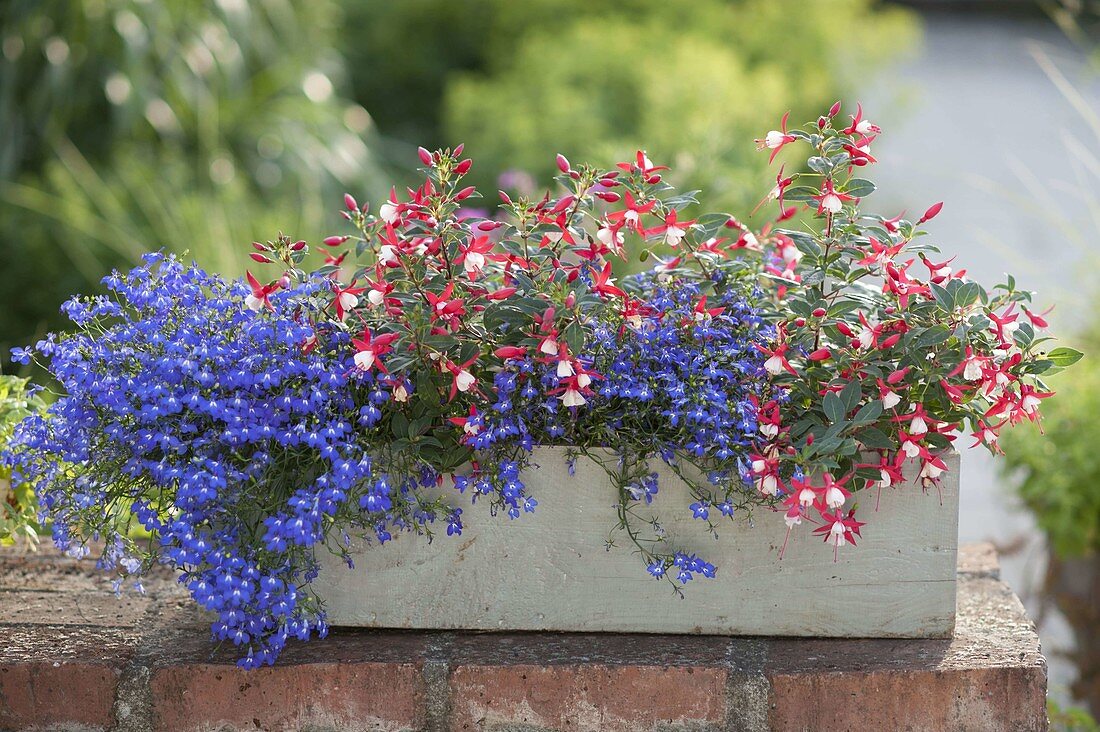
550 570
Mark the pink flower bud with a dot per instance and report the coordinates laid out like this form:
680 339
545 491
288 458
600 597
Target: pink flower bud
298 245
563 163
821 354
489 225
800 322
821 122
458 150
465 193
819 312
350 202
931 213
260 258
563 204
835 109
334 241
425 156
608 196
464 167
504 198
570 299
259 247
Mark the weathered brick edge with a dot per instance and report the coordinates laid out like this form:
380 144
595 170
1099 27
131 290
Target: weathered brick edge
72 658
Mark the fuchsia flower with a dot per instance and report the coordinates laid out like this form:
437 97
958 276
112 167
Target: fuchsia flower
830 200
776 139
839 529
345 299
260 296
369 350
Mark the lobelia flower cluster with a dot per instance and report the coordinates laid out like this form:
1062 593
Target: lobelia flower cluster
234 431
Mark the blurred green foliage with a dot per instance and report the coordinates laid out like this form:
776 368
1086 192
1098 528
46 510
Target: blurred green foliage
1058 469
693 83
18 507
193 126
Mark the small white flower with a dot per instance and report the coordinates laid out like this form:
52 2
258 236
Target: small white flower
549 346
473 263
890 400
364 360
572 398
918 426
348 300
674 235
774 365
831 203
834 498
774 139
464 380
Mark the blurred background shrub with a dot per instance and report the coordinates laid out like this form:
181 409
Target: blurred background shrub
193 126
691 83
18 506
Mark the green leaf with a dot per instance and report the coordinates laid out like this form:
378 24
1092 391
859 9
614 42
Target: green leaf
874 439
934 336
860 187
834 407
868 412
1065 356
851 395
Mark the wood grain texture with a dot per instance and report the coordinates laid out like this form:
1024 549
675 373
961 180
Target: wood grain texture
550 570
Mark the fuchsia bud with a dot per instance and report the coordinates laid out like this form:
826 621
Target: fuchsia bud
845 329
835 109
489 225
931 213
819 312
259 247
563 204
350 202
425 156
821 122
570 299
298 245
284 282
507 352
897 376
504 198
459 148
800 322
821 354
464 167
260 258
334 241
608 196
563 163
465 193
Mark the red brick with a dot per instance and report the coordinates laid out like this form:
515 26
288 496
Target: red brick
587 697
345 696
922 701
47 694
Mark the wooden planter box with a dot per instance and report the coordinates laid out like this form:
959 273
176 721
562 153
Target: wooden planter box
550 570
